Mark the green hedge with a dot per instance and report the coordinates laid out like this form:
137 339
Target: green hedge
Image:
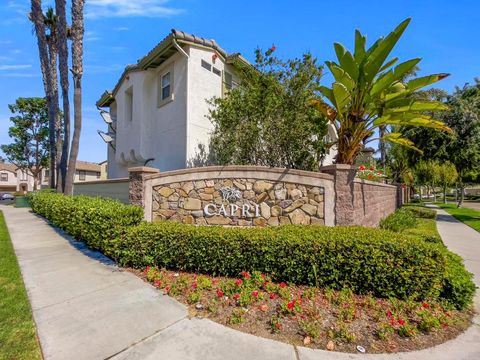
399 220
367 260
96 221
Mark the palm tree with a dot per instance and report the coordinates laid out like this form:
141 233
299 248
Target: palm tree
63 66
50 20
38 19
369 93
77 70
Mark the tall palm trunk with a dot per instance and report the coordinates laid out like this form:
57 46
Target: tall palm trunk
63 66
77 70
52 49
39 24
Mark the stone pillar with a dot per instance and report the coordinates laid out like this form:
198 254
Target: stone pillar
344 196
137 188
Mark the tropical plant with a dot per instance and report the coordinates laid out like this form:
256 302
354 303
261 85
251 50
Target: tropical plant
47 57
60 8
29 150
268 120
369 93
77 71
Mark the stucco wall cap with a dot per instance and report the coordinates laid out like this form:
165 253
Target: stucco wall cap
338 167
143 169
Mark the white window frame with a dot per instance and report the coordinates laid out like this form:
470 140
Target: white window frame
82 174
161 74
4 176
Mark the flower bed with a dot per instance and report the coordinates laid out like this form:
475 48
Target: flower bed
308 316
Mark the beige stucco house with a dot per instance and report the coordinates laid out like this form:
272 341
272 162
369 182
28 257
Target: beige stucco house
157 111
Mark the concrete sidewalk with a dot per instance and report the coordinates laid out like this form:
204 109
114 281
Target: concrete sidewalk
87 308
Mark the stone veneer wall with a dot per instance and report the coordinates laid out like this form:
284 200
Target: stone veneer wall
283 196
278 203
373 202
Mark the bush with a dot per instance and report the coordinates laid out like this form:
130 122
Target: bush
98 222
366 260
458 287
422 212
399 220
363 259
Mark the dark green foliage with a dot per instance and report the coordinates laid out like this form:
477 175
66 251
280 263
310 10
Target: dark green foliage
366 260
458 287
268 119
399 220
98 222
422 212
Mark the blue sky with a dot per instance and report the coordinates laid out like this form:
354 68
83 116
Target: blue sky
119 32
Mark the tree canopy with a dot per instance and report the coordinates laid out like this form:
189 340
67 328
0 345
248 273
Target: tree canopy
268 118
29 132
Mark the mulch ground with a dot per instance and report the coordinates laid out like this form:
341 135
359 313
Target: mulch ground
312 317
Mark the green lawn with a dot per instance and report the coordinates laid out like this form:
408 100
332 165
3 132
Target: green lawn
468 216
18 338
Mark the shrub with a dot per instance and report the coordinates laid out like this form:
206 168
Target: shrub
422 212
99 222
362 259
458 287
399 220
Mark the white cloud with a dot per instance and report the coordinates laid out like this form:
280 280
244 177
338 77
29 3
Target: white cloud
96 9
122 28
15 67
91 36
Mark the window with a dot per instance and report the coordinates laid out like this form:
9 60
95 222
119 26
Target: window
23 176
47 173
129 104
228 81
82 175
98 175
206 65
216 71
3 176
166 86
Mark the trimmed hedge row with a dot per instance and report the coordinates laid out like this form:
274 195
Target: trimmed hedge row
380 262
96 221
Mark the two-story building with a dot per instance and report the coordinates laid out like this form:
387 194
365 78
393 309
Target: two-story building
157 111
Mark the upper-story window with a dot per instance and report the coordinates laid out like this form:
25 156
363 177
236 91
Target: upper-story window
229 81
216 71
82 174
23 176
3 176
165 86
98 174
206 65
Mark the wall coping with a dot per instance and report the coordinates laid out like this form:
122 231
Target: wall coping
240 168
143 169
375 183
104 181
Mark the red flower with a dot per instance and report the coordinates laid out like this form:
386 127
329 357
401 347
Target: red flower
392 322
167 289
425 305
194 285
389 314
147 269
272 296
401 322
246 274
255 293
361 168
220 293
238 282
372 168
282 285
290 305
157 283
236 296
263 276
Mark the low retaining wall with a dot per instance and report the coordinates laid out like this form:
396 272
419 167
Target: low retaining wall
236 195
113 188
372 202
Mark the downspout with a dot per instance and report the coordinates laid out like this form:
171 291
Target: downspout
187 93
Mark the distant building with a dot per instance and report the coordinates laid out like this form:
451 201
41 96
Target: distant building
14 179
157 111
